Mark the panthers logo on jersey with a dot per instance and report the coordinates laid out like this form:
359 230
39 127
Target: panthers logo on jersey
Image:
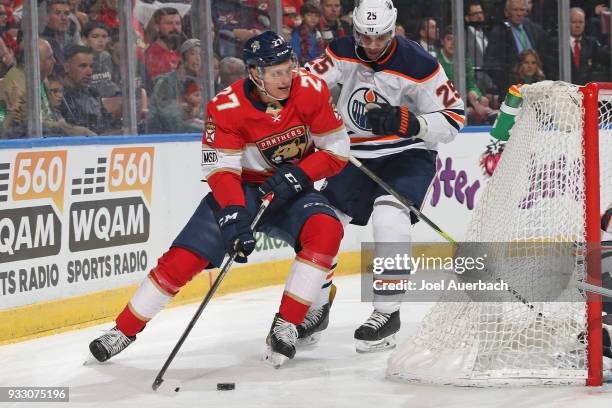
286 147
357 103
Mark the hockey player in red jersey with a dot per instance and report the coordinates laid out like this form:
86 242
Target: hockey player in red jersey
397 105
260 138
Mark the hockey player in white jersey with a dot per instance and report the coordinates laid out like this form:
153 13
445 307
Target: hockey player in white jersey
397 104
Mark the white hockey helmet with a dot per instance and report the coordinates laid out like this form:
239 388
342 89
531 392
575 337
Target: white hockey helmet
374 17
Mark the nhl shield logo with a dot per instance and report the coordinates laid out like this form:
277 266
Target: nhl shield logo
286 147
357 103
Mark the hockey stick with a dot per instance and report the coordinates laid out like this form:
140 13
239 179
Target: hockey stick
160 376
411 206
594 289
406 202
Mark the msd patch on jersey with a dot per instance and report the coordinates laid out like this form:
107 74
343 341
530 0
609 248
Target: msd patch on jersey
357 103
286 147
209 157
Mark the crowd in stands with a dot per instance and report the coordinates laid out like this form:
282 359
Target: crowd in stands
506 42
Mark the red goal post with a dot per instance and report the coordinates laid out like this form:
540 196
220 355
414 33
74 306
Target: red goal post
592 123
551 183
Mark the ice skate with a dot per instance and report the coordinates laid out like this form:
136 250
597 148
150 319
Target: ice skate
281 342
316 320
109 345
378 332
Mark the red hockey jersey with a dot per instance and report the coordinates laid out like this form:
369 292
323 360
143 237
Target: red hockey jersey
246 140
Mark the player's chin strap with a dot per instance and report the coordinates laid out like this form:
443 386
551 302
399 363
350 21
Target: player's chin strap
357 46
259 83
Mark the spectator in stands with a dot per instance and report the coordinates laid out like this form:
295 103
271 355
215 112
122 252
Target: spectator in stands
13 99
479 110
82 104
116 52
7 22
587 53
55 91
162 56
529 68
306 39
166 113
96 36
79 17
477 41
400 30
59 31
231 69
234 26
192 104
510 38
428 35
259 11
595 11
331 25
109 14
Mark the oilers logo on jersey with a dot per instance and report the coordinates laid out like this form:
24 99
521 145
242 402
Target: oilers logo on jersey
286 147
356 106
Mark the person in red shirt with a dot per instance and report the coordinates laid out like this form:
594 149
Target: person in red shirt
289 135
162 55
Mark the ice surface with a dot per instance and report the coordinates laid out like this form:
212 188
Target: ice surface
226 346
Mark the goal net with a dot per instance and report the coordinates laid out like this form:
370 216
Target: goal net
538 196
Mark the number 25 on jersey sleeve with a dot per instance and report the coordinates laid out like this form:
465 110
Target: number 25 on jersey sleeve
449 93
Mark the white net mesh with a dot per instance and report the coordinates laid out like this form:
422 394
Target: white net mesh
535 197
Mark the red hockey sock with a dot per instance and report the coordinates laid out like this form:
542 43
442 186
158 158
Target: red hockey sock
174 269
320 240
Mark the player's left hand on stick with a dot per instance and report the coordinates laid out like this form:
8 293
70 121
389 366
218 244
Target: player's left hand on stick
235 224
388 120
286 183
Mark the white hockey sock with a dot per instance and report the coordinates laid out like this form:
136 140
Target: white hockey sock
391 227
148 300
302 288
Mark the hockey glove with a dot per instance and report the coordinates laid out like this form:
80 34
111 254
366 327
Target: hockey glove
392 120
235 225
286 183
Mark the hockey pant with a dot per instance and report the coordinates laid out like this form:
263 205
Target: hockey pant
178 266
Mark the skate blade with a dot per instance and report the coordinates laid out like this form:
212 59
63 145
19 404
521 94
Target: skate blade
91 360
364 346
274 359
310 340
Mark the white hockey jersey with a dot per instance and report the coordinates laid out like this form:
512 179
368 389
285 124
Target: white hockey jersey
408 76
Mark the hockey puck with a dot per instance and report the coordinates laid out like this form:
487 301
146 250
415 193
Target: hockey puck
226 386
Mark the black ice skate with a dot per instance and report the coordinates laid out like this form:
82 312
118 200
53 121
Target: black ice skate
109 344
281 342
316 320
378 332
